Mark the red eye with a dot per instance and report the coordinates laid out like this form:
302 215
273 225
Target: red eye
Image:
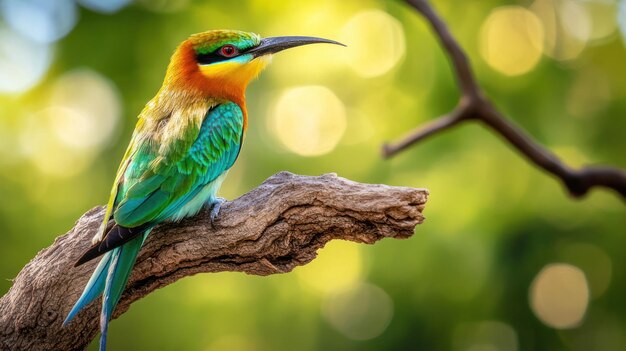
228 50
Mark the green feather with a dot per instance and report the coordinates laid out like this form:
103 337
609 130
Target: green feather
158 189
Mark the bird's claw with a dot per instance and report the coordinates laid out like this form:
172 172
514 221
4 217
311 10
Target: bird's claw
98 237
102 232
214 209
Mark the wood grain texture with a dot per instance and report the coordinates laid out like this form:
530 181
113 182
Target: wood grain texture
272 229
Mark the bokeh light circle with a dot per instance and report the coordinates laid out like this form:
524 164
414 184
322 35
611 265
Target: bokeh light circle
559 295
621 18
602 16
23 63
50 155
44 21
567 27
596 264
338 266
511 40
96 107
375 42
362 312
62 139
308 120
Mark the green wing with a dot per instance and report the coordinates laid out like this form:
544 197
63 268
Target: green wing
160 179
126 160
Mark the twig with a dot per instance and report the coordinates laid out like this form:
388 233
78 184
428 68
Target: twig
272 229
474 105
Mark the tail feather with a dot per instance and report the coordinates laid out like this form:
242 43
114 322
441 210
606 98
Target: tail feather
122 262
109 279
115 237
93 289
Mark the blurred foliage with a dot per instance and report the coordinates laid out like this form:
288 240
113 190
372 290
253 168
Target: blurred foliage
505 260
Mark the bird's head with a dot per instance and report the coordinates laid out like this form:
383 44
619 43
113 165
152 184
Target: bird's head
223 62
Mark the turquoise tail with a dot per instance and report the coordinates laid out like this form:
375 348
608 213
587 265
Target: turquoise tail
121 264
109 279
93 289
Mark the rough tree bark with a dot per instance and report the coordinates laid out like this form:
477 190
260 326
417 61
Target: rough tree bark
272 229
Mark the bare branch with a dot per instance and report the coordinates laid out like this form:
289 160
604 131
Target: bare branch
460 62
272 229
422 132
473 105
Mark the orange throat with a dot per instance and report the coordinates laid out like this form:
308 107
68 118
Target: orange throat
223 81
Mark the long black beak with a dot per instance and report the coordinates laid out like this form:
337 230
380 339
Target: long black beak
275 44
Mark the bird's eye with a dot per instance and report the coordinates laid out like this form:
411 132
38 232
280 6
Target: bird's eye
228 51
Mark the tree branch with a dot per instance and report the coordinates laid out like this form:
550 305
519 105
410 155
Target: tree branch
474 105
460 62
272 229
420 133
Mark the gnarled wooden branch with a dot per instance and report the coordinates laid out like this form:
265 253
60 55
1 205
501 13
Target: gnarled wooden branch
474 106
272 229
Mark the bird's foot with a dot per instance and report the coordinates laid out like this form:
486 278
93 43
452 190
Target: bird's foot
98 237
102 232
214 209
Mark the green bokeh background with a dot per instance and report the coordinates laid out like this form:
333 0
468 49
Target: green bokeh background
493 220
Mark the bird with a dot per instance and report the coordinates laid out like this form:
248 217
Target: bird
185 141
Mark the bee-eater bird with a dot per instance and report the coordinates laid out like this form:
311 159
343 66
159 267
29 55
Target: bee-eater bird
187 138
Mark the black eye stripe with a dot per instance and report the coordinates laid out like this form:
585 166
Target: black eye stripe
213 57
